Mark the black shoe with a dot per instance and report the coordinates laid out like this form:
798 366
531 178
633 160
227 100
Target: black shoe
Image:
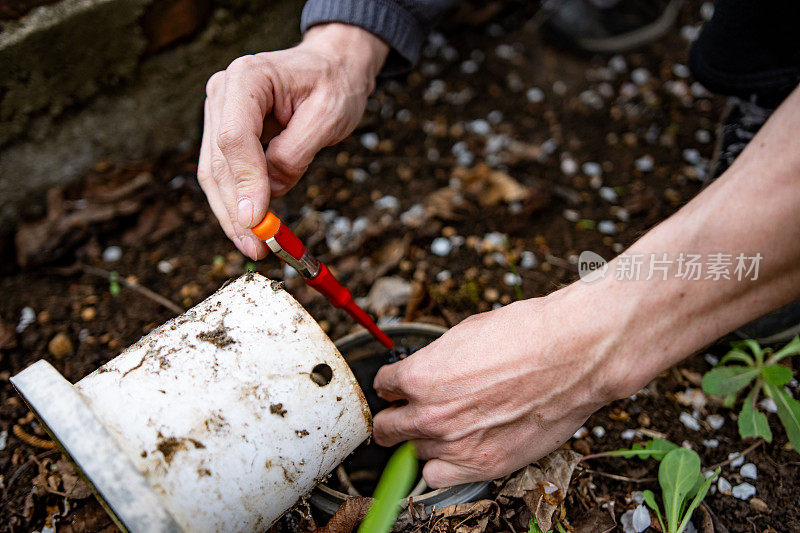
620 26
740 122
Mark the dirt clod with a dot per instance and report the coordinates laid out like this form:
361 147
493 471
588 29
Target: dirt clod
218 337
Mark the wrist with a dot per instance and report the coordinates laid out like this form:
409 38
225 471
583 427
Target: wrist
354 48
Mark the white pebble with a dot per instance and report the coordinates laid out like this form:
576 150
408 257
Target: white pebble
715 421
495 116
769 405
690 33
607 227
528 260
723 485
3 439
479 127
680 70
707 10
505 51
645 163
618 64
441 246
444 275
641 518
628 434
112 254
689 421
749 471
495 240
26 317
592 169
511 279
370 140
608 194
599 431
711 443
534 95
165 267
387 203
640 76
692 156
469 67
711 359
698 91
743 491
637 496
415 216
560 88
582 432
571 215
569 166
702 136
549 488
736 459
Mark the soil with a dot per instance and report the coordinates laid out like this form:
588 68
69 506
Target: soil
171 245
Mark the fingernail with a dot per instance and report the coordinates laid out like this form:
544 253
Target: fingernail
245 212
250 247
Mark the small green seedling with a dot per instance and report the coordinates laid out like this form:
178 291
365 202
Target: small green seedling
394 485
757 366
683 485
113 283
533 527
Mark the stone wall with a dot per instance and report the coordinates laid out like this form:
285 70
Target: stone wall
88 80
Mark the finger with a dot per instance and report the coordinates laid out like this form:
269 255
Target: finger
433 449
388 382
439 473
248 99
206 180
288 154
242 237
394 425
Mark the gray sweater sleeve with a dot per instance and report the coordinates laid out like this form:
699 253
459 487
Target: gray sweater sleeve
403 24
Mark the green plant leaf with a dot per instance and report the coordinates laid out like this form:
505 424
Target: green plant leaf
792 348
729 401
725 380
776 375
737 355
701 494
753 346
788 412
655 448
650 500
752 422
677 476
394 485
533 526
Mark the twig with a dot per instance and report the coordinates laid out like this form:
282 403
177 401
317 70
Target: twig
344 479
508 523
621 478
24 467
744 452
32 440
132 285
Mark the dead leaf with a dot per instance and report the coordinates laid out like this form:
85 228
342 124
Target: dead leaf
489 186
597 520
348 515
155 222
74 486
543 485
443 204
466 517
8 335
389 255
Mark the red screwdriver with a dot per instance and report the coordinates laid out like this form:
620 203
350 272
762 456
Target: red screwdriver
291 250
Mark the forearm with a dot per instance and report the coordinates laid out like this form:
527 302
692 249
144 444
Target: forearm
752 209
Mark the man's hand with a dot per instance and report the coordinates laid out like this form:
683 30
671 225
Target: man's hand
498 391
294 102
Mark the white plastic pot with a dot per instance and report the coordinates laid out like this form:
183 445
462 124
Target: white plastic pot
219 420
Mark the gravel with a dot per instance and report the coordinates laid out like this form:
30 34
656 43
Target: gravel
441 246
749 471
689 421
715 421
26 317
112 254
534 95
743 491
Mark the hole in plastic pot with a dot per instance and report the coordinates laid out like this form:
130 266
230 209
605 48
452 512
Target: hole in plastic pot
322 374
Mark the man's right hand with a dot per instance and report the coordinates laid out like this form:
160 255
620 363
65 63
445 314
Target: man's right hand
294 102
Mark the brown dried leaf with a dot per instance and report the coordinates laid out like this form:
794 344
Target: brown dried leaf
532 483
467 517
349 514
443 204
491 187
596 520
74 486
8 335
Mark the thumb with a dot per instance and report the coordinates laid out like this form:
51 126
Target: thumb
439 473
289 153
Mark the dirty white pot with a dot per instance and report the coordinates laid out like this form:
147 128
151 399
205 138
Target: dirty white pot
219 420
